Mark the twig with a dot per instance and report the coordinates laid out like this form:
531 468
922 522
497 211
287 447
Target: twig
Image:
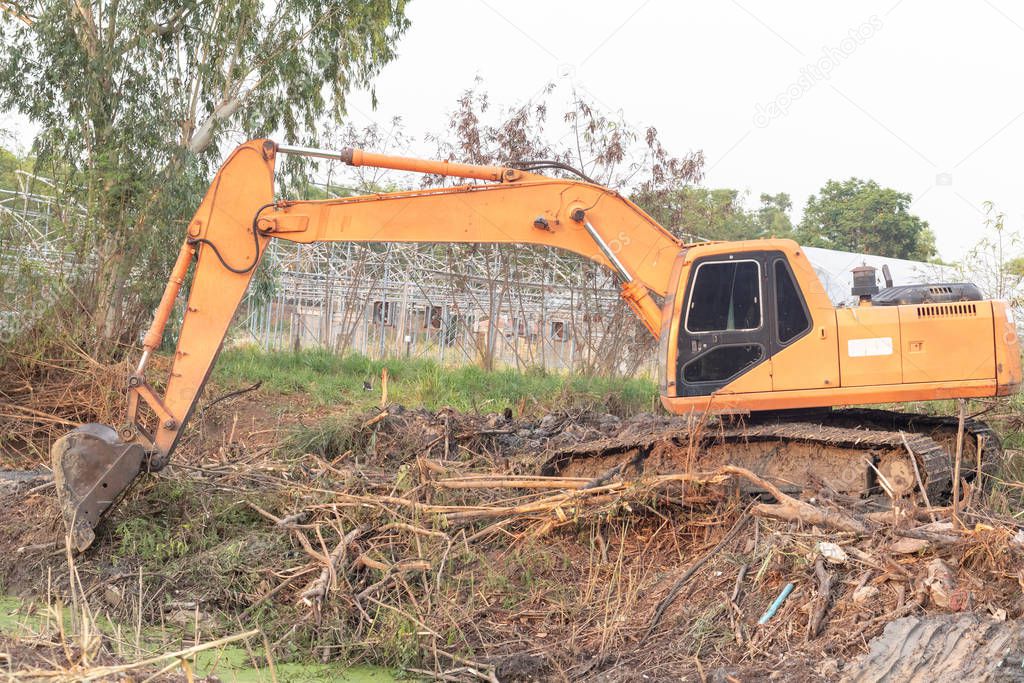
480 667
938 539
375 419
263 513
820 603
515 482
740 575
272 592
552 503
292 519
392 573
673 593
317 590
613 472
882 479
979 446
230 394
40 416
106 672
299 536
956 464
791 509
736 614
917 471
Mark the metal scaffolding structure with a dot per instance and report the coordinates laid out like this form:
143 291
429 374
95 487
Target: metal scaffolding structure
496 306
34 258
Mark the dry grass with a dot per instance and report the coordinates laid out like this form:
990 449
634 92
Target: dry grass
38 405
65 641
426 541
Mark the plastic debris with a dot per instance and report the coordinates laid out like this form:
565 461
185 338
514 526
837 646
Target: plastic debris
833 553
770 612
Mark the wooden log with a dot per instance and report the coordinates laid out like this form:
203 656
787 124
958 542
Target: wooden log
791 509
315 593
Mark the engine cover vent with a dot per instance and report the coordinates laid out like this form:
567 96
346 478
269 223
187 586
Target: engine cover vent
947 311
930 293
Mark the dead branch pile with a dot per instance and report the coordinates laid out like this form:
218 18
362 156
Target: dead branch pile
432 544
38 405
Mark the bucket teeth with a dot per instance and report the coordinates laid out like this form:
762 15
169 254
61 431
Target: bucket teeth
92 467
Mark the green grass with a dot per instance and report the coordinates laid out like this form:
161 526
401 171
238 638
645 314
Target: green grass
331 379
235 664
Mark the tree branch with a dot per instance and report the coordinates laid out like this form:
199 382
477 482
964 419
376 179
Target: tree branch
91 36
203 135
792 509
14 10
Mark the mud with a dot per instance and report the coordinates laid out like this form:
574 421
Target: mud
944 648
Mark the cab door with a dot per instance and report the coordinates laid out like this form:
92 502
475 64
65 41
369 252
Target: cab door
723 331
804 344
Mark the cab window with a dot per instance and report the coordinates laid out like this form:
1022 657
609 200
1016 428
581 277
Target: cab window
726 296
722 363
789 307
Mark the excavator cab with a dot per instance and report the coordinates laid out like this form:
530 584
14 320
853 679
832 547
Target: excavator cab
750 328
741 310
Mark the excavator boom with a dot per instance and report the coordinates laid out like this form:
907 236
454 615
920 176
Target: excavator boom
237 218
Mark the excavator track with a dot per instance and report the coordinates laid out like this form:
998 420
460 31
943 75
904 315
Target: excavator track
859 452
978 436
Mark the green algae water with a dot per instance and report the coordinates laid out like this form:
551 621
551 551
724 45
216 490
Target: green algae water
231 664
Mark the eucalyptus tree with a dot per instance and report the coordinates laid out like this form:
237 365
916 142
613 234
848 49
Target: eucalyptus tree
136 100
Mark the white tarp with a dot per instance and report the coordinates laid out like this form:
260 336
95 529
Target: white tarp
834 269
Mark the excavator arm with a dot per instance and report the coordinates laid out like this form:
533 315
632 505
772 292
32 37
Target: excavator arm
238 217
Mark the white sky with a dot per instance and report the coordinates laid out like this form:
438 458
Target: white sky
927 99
929 88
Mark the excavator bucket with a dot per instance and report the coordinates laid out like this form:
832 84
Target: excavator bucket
92 467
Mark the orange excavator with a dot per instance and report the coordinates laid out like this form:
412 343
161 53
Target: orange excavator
744 328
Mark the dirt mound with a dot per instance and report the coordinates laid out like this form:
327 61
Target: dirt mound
432 541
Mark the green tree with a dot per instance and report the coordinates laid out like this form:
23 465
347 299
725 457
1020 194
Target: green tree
698 213
134 100
1015 267
773 215
10 164
861 216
